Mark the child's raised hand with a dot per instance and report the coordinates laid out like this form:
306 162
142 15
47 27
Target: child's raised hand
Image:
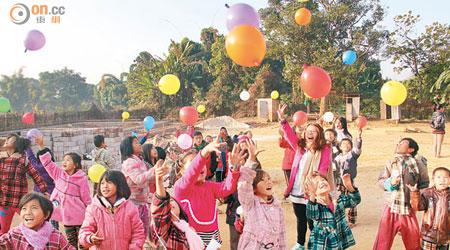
347 181
161 170
280 111
360 133
237 155
280 131
310 188
39 141
252 149
213 147
95 239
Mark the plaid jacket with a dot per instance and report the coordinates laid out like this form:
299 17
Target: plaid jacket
162 226
13 180
331 230
14 240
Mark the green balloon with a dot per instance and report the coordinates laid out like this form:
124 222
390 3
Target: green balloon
306 103
106 98
5 105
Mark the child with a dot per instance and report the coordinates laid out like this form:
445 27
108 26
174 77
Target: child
209 139
330 136
289 152
35 232
211 163
71 195
169 222
112 221
347 163
198 197
326 209
13 181
139 177
222 166
100 155
397 214
36 163
435 201
149 154
264 220
340 125
438 125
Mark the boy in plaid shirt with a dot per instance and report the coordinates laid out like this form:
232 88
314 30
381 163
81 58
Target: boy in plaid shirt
399 174
435 201
13 180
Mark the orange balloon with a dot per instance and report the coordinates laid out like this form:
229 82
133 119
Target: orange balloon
246 46
303 16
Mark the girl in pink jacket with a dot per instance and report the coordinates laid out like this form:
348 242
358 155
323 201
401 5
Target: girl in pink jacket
71 195
138 176
112 221
198 197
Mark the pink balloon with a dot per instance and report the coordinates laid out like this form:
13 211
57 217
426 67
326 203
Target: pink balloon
361 122
184 141
35 40
28 118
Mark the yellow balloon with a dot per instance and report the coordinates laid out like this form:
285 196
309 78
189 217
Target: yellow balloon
169 84
125 115
201 108
393 93
303 1
95 172
274 95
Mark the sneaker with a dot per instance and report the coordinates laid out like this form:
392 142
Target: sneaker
298 247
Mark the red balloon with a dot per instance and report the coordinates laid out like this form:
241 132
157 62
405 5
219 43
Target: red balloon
361 122
28 118
300 118
315 81
188 115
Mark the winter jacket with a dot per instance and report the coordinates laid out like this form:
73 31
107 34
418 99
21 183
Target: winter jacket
289 154
71 193
103 157
232 202
139 178
438 121
37 165
348 163
428 201
122 230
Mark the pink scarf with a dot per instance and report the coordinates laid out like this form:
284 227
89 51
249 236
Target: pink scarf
195 242
38 239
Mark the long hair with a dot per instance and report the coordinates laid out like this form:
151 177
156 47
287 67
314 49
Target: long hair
118 178
344 125
147 152
319 143
76 158
20 144
126 147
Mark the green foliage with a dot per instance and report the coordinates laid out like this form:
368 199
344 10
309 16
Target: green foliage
111 92
16 89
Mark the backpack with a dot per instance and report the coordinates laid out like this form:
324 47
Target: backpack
437 122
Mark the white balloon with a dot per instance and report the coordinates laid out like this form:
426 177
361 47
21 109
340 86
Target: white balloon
184 141
328 117
244 95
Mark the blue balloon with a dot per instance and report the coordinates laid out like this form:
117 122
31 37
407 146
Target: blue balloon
134 134
149 122
349 57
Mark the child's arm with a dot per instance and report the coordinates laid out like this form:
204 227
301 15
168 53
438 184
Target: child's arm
291 138
190 176
384 179
282 228
245 188
424 179
282 143
313 210
227 187
137 230
131 168
85 193
88 228
36 178
356 151
5 241
35 163
161 217
52 169
109 160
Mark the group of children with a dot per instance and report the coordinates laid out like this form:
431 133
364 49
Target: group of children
173 202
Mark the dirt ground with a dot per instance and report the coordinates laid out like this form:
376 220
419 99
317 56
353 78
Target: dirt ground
379 140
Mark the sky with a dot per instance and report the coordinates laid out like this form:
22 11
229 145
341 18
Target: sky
105 36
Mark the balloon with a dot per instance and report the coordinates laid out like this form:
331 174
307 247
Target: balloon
201 108
5 105
242 13
349 57
246 46
315 81
328 117
303 16
149 122
35 40
95 172
134 134
300 118
274 95
361 122
393 93
184 141
188 115
125 115
28 118
169 84
244 95
33 132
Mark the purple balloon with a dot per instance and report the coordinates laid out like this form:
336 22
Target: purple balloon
242 13
32 132
35 40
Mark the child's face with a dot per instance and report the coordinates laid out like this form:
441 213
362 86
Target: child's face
108 190
441 180
339 124
198 140
345 146
10 143
311 134
298 131
209 139
403 147
32 215
137 147
264 187
323 188
154 153
329 136
187 163
68 165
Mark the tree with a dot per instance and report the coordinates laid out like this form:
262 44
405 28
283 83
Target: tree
22 92
111 92
336 26
442 86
